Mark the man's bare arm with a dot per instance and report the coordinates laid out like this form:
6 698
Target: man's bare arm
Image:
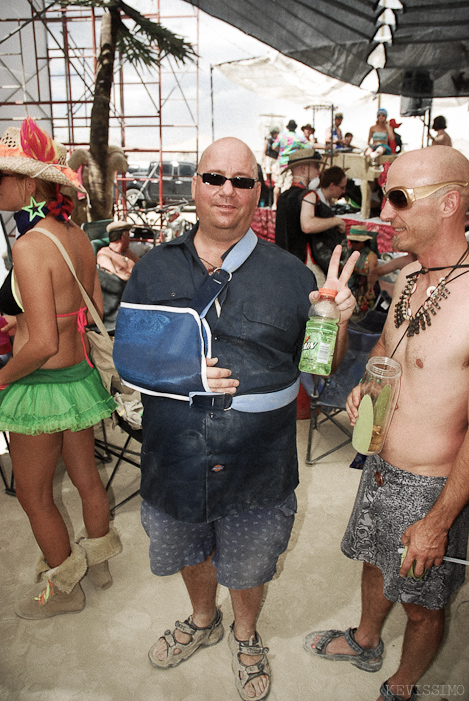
310 223
389 267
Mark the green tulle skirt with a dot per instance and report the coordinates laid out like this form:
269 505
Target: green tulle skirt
47 401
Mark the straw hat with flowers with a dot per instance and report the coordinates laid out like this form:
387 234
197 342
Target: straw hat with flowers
31 151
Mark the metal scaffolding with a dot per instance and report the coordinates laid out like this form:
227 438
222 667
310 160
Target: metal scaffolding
48 58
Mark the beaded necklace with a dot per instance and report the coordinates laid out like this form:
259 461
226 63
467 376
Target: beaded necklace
436 293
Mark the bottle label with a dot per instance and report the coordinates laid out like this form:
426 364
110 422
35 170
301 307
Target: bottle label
318 347
324 351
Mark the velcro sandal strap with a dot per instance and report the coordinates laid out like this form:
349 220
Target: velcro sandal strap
325 639
251 647
186 627
252 650
250 672
169 638
363 652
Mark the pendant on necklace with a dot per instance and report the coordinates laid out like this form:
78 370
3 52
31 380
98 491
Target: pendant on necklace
432 288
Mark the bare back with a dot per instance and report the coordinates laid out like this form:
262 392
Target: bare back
442 139
48 289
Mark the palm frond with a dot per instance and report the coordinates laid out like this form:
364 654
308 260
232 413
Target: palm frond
159 41
154 42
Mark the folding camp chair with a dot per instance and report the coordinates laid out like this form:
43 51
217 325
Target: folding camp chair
123 454
112 288
328 395
8 483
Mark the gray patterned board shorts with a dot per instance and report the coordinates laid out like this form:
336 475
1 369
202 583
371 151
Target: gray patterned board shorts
246 545
388 501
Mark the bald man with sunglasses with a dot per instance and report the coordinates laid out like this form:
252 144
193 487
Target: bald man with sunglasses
415 493
219 472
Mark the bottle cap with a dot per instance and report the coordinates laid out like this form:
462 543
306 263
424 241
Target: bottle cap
327 291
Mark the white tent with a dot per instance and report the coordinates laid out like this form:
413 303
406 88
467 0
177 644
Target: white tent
276 76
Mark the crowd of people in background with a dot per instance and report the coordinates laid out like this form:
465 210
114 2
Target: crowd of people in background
383 140
305 189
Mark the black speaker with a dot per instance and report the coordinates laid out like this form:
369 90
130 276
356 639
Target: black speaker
414 106
417 83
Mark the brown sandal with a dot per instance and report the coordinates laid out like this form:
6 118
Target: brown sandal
200 637
246 673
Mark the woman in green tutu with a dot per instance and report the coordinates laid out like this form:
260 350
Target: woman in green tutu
50 393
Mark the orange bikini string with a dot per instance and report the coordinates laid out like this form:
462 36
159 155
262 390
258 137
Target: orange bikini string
81 323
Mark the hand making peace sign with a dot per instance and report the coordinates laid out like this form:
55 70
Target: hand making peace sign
344 300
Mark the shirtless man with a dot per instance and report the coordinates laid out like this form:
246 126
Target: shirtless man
416 492
117 258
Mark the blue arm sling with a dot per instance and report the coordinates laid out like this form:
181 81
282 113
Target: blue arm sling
162 350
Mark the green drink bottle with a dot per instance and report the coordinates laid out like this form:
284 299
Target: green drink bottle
321 334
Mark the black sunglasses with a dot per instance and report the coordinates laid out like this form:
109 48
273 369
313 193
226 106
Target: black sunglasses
403 197
218 180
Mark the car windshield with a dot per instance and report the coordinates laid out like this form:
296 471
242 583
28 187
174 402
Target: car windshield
167 169
186 170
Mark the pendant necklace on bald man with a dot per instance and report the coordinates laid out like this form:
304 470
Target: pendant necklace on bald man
435 294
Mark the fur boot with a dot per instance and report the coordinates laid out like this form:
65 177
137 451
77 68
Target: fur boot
62 594
98 551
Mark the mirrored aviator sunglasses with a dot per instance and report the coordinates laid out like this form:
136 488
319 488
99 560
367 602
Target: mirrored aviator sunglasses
403 197
218 180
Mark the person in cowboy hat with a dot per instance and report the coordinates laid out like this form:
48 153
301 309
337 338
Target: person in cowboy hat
51 395
308 132
359 239
297 222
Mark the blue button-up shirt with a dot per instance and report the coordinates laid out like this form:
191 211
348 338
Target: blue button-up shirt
201 464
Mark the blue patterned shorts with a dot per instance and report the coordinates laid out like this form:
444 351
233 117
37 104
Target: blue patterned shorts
388 501
247 545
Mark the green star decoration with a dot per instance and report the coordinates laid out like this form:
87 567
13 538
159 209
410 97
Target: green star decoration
35 209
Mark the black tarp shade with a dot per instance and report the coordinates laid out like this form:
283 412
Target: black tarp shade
428 56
